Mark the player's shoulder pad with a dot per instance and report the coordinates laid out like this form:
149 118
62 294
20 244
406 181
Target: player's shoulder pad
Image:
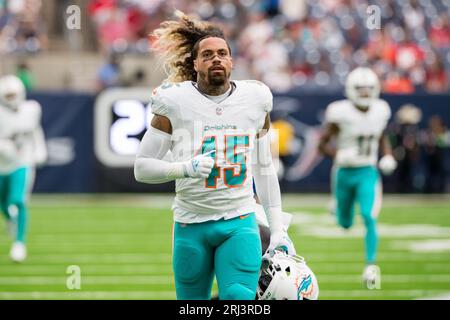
335 111
163 98
32 107
384 107
260 91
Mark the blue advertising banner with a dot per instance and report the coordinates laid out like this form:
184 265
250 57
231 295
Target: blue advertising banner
67 121
92 141
306 170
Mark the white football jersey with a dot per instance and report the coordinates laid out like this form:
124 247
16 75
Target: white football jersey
200 125
19 127
359 132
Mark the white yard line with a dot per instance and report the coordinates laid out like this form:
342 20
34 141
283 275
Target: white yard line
445 296
89 295
323 225
142 257
87 280
345 294
424 246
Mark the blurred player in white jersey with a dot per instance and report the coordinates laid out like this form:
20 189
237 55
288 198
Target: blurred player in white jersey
214 129
22 147
358 124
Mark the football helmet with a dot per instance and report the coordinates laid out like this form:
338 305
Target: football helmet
362 87
285 277
12 91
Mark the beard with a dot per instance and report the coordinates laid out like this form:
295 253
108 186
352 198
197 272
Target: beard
217 79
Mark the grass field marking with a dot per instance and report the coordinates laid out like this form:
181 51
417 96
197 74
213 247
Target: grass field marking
323 225
379 293
88 269
169 280
445 296
424 246
103 295
392 278
89 280
142 257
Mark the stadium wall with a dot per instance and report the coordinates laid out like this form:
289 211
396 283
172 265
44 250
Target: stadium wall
92 140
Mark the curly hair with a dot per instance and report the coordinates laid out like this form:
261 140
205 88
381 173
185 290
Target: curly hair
176 43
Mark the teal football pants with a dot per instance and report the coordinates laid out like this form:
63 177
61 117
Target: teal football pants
228 249
359 185
13 194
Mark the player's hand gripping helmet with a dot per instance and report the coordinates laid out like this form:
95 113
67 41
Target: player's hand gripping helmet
12 91
285 277
362 87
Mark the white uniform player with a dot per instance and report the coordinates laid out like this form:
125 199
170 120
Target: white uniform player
359 132
212 125
200 126
358 125
22 148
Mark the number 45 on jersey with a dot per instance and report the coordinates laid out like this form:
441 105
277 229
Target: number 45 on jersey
235 160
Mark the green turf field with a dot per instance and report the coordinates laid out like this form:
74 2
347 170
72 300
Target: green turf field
122 245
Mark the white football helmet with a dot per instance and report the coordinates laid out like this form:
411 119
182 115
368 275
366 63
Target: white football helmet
362 87
12 91
285 277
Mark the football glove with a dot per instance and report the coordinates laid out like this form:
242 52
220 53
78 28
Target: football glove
8 150
387 164
280 241
200 166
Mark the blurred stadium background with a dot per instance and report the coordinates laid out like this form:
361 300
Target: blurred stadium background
94 82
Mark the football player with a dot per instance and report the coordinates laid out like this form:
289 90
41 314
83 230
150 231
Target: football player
22 147
216 130
357 125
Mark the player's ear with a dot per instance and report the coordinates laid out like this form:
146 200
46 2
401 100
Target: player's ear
195 65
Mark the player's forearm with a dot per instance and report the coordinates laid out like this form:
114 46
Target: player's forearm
153 171
327 150
385 145
149 166
267 185
40 148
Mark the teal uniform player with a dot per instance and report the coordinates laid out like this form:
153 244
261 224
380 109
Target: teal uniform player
22 147
357 124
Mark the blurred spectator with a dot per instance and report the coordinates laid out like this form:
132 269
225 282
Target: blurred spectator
109 74
405 142
437 142
440 31
24 74
398 82
303 43
22 28
436 77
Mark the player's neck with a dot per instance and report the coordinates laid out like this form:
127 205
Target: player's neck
213 90
362 109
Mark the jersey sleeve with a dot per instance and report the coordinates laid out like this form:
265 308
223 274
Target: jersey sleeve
160 104
333 114
29 117
266 97
387 111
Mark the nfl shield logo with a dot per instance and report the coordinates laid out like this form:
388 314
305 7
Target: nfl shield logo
219 111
